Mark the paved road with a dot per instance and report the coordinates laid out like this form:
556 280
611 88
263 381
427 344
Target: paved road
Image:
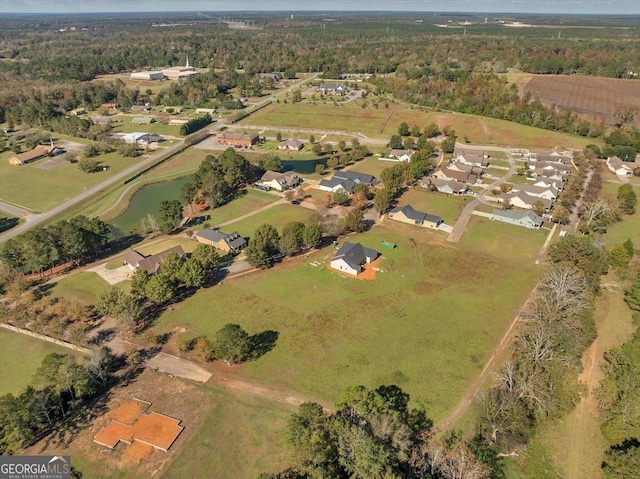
467 212
14 210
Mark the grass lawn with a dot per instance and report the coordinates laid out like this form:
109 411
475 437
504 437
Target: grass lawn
384 122
86 286
236 440
122 124
629 227
41 189
277 216
372 166
427 325
249 201
496 156
446 206
21 356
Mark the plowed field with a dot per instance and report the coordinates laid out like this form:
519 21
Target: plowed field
588 96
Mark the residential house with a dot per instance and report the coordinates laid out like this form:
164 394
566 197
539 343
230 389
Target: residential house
291 144
547 182
332 89
109 106
136 137
619 167
223 241
351 256
406 214
471 158
38 152
449 187
355 176
151 264
78 111
552 175
336 184
402 155
209 111
280 181
550 167
244 140
101 120
461 176
519 218
549 193
523 200
275 76
146 108
552 158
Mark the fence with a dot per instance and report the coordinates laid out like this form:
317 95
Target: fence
59 342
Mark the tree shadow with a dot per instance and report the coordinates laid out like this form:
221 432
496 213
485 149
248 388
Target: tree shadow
8 223
103 336
262 343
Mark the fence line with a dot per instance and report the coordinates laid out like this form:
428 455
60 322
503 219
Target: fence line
59 342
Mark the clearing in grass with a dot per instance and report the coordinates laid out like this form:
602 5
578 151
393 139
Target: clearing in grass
448 207
86 287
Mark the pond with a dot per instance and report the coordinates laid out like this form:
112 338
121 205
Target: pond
146 201
303 166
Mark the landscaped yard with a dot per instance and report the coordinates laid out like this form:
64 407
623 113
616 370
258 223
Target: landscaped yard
21 356
372 166
446 206
86 286
428 324
277 216
249 200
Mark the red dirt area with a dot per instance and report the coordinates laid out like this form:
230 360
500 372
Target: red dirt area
137 452
129 412
158 430
113 434
369 269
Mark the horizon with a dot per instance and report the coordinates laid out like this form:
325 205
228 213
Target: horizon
541 7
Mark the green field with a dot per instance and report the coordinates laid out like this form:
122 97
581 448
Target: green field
21 356
372 166
628 227
40 189
86 286
249 200
446 206
383 122
122 124
277 216
428 325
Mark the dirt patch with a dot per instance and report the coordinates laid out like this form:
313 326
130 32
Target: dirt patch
129 412
136 452
51 163
427 287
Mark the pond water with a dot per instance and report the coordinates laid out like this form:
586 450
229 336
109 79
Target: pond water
303 166
146 201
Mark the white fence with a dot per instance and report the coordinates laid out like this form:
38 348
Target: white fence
59 342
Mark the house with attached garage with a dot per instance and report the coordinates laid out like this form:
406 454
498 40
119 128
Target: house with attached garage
548 193
334 184
355 176
291 144
332 89
279 181
619 167
449 187
406 214
522 200
471 158
152 263
224 242
461 176
519 218
402 155
351 256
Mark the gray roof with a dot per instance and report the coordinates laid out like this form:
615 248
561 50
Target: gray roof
348 185
355 176
152 263
211 235
517 215
354 254
234 240
416 215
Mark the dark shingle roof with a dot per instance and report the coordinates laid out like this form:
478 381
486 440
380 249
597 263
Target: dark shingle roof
354 176
354 254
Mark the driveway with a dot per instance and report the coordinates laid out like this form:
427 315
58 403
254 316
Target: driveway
112 276
178 367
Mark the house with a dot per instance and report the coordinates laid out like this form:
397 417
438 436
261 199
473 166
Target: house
336 184
109 106
619 167
555 158
406 214
519 218
332 89
355 176
471 158
78 112
550 167
351 256
549 192
145 108
275 76
142 120
238 139
280 181
223 241
209 111
136 137
38 152
457 166
449 187
101 120
291 144
151 264
523 200
461 176
552 175
547 182
147 75
173 110
402 155
179 72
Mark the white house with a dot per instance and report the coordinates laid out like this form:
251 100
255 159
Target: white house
402 155
524 201
136 137
291 144
449 187
351 256
619 167
549 193
279 181
471 158
518 218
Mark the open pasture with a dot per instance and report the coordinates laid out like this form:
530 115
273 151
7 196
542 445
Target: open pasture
427 323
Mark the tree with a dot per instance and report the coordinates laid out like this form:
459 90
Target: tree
448 145
262 246
624 115
232 344
403 129
139 282
538 208
317 149
278 137
342 145
431 130
627 199
159 289
170 267
382 200
312 236
415 130
354 221
597 215
340 197
393 177
170 215
312 139
89 165
395 143
207 256
409 144
193 273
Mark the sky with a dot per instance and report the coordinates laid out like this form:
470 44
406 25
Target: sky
488 6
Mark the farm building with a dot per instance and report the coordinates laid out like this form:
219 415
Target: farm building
291 144
406 214
142 120
449 187
145 108
518 218
210 111
351 256
151 264
619 167
109 106
38 152
238 139
147 75
223 241
78 112
279 181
